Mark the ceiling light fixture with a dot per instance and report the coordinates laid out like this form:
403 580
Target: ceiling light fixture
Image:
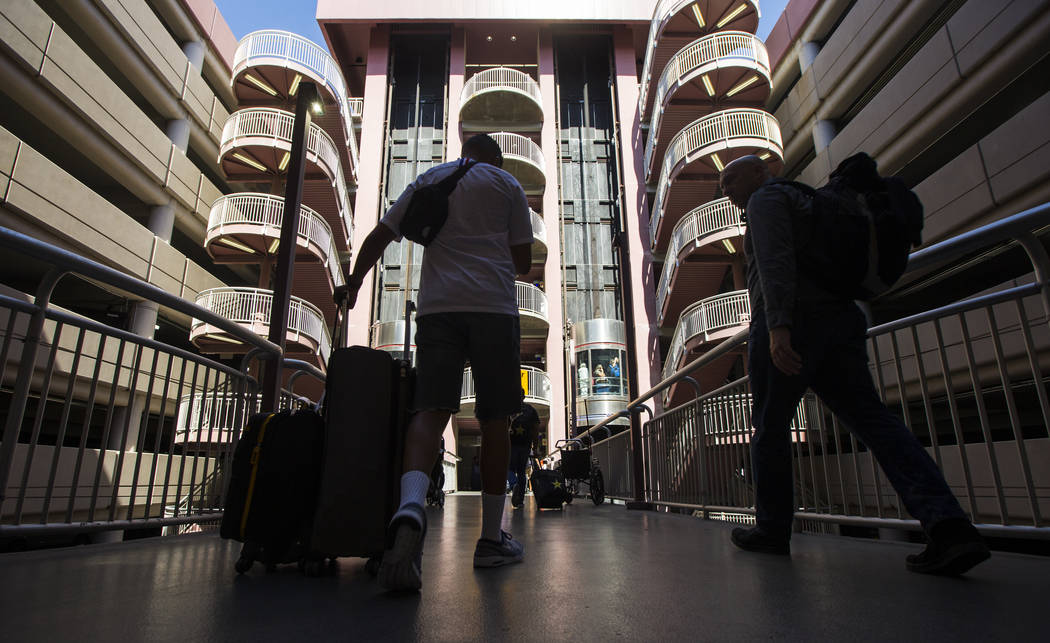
237 245
764 155
273 246
260 84
295 84
742 86
284 162
699 17
718 162
733 14
707 85
488 38
249 161
729 246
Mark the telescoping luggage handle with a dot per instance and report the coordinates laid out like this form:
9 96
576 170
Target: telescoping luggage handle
341 322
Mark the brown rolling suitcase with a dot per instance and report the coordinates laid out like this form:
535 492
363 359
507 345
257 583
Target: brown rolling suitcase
367 394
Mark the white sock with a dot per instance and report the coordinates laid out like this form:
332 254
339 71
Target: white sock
492 515
414 485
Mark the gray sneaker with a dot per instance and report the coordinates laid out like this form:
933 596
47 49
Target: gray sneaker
489 553
402 565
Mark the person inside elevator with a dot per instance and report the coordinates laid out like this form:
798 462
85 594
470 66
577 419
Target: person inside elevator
803 337
467 310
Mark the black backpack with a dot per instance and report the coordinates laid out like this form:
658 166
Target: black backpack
428 209
862 230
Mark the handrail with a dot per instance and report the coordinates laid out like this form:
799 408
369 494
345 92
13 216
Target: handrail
253 208
539 227
700 57
252 305
70 262
531 299
520 146
500 78
712 217
717 129
309 57
661 13
1016 228
277 124
538 381
705 316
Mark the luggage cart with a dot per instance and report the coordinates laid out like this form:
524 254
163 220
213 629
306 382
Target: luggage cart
579 467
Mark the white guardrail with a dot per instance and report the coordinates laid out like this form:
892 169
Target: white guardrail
519 146
267 211
719 130
531 299
728 310
500 78
711 218
539 386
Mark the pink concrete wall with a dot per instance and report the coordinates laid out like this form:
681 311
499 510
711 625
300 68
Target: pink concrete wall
456 77
214 27
788 27
552 279
369 173
646 345
459 10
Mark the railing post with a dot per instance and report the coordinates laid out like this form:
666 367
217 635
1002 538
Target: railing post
24 380
1040 264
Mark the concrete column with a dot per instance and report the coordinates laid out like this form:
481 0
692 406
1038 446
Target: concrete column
370 172
178 132
162 221
194 50
807 55
456 77
557 424
823 133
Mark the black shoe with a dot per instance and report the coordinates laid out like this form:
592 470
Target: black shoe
953 549
754 539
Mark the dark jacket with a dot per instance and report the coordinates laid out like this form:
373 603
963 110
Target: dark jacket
777 217
524 427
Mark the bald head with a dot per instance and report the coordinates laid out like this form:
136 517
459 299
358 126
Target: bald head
742 177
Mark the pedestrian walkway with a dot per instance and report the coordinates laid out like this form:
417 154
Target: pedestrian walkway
590 574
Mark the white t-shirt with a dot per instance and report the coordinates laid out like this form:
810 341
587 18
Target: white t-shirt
468 267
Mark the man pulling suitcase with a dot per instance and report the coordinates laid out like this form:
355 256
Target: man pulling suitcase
467 311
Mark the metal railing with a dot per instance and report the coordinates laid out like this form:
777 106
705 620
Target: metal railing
267 212
276 124
710 134
706 317
296 52
357 107
709 219
702 56
88 440
518 146
969 378
662 12
531 299
500 78
538 386
251 306
539 228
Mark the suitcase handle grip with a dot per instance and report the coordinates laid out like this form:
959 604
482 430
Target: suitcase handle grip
410 306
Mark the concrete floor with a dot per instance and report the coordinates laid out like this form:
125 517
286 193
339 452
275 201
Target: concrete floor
590 574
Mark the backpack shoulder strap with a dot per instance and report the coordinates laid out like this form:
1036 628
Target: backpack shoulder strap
808 190
450 182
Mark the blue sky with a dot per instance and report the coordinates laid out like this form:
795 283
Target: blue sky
246 16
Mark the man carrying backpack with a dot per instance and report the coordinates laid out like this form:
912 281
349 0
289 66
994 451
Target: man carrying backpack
467 310
802 336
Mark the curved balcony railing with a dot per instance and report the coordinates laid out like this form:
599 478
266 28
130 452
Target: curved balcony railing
266 211
357 107
501 79
390 336
709 220
531 300
538 386
539 229
286 49
705 318
520 149
722 130
251 306
662 13
702 56
277 125
211 417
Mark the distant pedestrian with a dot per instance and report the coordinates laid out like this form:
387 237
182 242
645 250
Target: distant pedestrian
803 337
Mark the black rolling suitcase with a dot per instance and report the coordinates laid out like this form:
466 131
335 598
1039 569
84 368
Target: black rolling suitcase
273 487
367 394
548 487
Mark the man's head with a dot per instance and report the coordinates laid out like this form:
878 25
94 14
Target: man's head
483 148
741 178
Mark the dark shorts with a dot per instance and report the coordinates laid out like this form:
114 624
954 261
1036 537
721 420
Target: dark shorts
492 343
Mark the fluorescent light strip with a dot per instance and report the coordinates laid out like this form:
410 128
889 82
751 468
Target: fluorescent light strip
274 245
249 161
729 246
699 17
736 12
708 86
284 161
764 155
742 86
236 244
295 85
260 84
717 161
223 339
